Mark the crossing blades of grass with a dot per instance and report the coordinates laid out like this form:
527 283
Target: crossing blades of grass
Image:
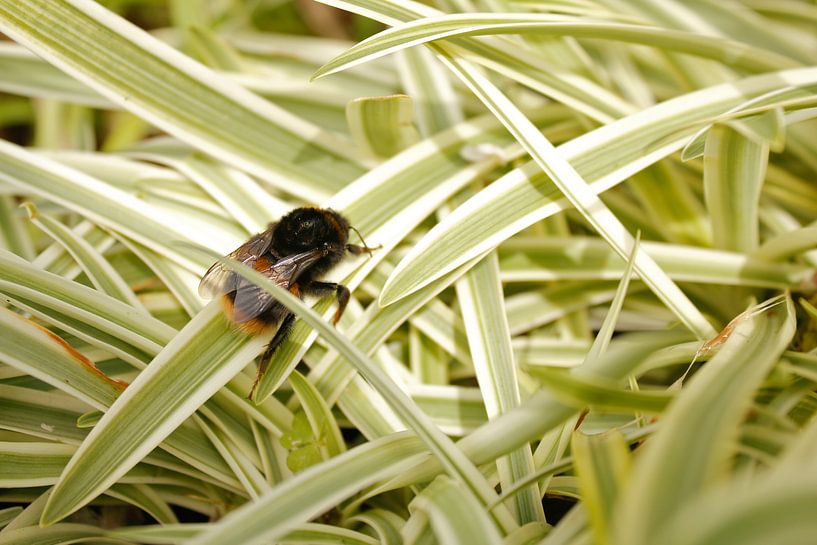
203 357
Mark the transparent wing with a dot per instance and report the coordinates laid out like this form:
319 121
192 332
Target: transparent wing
251 301
219 279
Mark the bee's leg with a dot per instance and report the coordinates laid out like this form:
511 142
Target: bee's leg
280 335
321 288
357 250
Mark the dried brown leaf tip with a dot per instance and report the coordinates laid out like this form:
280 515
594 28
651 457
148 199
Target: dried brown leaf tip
78 356
85 362
747 314
727 331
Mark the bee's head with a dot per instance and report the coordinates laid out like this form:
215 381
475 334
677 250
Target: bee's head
306 229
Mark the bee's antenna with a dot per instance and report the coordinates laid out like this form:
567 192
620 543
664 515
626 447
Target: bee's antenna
366 246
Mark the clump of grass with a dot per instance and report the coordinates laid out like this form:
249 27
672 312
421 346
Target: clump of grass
588 321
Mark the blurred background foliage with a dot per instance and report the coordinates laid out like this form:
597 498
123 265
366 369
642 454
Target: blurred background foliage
633 368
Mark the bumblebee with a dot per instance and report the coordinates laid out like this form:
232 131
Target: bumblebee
294 253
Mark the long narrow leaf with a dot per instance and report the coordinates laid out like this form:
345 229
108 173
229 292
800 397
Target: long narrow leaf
489 337
102 274
477 24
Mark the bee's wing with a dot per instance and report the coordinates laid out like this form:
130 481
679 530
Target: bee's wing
219 279
251 300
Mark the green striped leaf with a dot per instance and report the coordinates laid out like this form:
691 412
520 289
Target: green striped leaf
428 29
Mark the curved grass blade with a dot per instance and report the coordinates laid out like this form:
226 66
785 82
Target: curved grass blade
543 411
771 507
506 57
757 118
238 194
670 205
27 464
47 415
102 275
776 511
145 498
104 204
785 245
307 533
159 534
250 478
179 281
543 259
22 343
13 233
8 514
53 361
566 462
32 463
368 411
598 393
457 410
429 29
24 73
30 515
99 318
385 524
608 326
332 374
57 260
437 105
